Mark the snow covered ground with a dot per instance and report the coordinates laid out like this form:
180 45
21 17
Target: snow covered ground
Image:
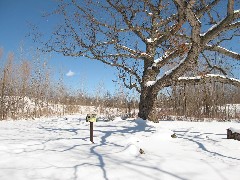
59 149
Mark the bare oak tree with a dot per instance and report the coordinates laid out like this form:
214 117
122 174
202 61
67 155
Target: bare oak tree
151 42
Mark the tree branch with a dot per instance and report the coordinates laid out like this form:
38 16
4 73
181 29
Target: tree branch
129 84
214 66
206 8
230 8
209 77
236 14
223 51
127 21
225 24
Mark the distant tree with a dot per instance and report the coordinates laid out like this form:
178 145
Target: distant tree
6 87
152 43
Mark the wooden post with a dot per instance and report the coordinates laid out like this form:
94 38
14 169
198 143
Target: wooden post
91 132
229 134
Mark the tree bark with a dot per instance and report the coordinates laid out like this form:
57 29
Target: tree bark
147 104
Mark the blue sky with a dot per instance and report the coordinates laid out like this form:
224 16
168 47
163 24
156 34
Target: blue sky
15 16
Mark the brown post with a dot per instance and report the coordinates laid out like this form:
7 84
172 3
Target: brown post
229 134
91 132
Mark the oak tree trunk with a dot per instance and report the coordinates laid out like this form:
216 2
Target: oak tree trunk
147 104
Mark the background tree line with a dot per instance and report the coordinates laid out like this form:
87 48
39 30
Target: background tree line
28 90
208 99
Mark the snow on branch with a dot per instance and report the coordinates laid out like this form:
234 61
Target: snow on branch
226 24
211 28
133 52
237 14
168 55
224 51
150 83
215 77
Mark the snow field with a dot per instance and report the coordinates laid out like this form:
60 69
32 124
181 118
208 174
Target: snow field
60 149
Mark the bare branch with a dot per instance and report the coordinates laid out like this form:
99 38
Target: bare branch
180 51
213 67
136 54
224 51
129 84
206 8
127 21
210 77
177 26
224 25
230 7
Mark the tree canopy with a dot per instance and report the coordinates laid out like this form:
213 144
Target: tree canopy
153 43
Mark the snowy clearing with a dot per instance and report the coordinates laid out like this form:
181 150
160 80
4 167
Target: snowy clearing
60 149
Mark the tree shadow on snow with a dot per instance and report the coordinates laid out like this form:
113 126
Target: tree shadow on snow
126 130
108 130
70 130
112 130
137 127
196 139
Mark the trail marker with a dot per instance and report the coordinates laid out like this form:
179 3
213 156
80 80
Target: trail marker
91 118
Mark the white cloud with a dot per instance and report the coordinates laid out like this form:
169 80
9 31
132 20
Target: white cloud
70 73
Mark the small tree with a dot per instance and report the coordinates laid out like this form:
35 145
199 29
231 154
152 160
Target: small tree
7 82
151 43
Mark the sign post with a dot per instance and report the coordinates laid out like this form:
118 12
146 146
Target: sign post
91 132
91 118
